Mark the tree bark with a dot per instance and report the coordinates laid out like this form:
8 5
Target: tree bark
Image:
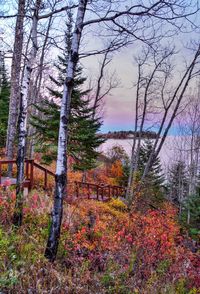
184 83
22 122
129 190
61 166
164 127
15 80
35 93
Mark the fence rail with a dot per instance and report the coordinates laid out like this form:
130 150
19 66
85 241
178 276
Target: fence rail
82 189
29 168
99 192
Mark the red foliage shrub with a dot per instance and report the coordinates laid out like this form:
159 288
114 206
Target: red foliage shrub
154 238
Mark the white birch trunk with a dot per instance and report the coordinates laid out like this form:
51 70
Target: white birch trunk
184 84
135 153
61 165
35 93
22 122
15 81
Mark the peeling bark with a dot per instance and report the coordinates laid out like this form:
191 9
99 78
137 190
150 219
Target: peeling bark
36 87
61 166
22 121
15 81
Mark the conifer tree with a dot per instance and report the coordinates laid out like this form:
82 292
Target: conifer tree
178 183
192 204
4 103
155 175
83 127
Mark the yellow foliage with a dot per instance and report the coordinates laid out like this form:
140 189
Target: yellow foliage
117 204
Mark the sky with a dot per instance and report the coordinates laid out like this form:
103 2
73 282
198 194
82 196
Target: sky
119 105
119 110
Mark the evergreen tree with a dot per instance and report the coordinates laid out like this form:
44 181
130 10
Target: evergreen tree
155 175
4 103
151 189
190 215
178 183
83 128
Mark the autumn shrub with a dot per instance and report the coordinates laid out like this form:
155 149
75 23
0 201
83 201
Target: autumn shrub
117 204
7 200
147 247
104 248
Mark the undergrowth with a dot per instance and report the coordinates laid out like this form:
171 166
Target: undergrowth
103 249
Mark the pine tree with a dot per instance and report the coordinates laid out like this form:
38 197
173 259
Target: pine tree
192 204
4 103
83 128
155 175
178 183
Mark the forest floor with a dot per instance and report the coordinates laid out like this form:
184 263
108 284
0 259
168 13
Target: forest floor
104 248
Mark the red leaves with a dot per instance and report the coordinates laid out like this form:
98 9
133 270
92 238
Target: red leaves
7 200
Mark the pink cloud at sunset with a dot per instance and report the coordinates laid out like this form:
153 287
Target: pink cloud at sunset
118 114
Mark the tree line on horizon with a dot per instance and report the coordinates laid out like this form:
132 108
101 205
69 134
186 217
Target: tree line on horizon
128 134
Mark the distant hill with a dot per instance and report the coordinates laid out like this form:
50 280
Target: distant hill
128 135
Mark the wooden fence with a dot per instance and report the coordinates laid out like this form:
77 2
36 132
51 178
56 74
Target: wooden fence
99 192
80 190
29 170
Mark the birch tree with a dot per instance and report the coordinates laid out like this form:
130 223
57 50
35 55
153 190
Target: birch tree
159 84
22 121
189 128
51 8
35 90
147 93
30 63
15 79
105 83
61 166
189 131
124 21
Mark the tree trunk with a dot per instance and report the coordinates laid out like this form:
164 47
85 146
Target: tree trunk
15 81
35 93
22 122
188 216
129 190
184 84
61 166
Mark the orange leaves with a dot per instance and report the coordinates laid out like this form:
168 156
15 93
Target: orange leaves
96 228
116 169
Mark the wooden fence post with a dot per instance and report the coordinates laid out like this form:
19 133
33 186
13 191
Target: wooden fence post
109 191
31 173
27 169
88 187
117 190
